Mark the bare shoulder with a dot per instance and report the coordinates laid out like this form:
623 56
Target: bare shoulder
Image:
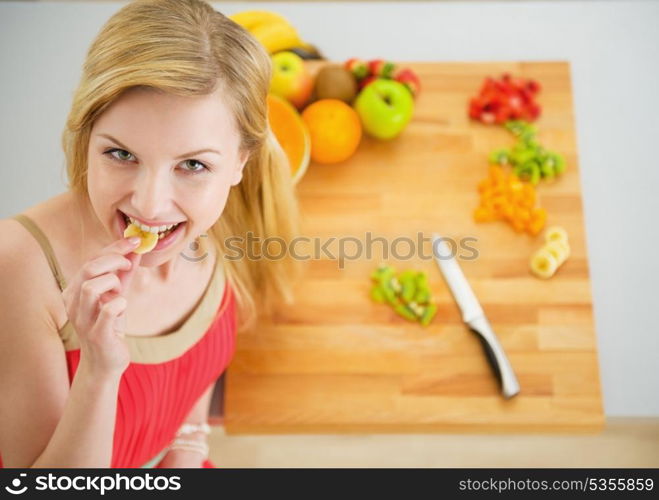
33 369
21 256
27 284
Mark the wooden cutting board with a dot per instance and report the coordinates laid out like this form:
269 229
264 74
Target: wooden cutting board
337 362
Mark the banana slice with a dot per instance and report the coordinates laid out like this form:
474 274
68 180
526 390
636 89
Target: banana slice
554 233
149 240
543 263
559 249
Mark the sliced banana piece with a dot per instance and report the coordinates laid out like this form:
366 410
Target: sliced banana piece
556 233
149 239
559 249
543 263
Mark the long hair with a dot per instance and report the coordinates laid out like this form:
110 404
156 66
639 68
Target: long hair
189 49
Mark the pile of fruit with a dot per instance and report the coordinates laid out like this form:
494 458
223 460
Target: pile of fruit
375 95
337 105
529 160
552 254
505 99
503 196
408 293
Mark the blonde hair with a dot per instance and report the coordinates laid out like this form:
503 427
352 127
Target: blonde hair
189 49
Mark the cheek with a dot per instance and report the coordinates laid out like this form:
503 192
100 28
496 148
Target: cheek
97 185
101 179
209 203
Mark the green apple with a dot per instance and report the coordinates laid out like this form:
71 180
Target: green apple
384 107
291 79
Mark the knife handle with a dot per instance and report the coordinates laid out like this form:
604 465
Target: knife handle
496 356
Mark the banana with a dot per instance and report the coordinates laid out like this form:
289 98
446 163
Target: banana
556 233
149 240
553 253
559 249
250 19
277 37
272 30
543 264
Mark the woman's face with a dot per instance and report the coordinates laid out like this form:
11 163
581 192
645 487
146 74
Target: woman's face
163 159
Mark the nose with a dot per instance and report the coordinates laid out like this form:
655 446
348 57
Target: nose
151 195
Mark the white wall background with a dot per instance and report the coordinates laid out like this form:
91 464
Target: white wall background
612 47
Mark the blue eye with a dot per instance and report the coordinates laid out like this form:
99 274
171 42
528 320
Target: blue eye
126 157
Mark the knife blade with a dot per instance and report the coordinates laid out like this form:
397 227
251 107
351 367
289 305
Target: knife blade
474 317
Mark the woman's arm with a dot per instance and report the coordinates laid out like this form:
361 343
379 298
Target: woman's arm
198 415
45 421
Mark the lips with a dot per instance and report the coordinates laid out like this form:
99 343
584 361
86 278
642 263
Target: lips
165 237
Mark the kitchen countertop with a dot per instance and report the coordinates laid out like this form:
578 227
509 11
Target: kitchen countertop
335 361
608 44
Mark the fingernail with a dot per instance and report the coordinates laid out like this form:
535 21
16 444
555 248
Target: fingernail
134 240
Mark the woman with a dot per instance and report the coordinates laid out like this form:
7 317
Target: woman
113 362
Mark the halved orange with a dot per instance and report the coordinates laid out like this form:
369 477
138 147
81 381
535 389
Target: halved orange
291 133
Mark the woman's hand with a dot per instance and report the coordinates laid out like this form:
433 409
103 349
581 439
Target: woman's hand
94 301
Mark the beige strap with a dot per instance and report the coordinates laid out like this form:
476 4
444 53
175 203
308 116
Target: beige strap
45 246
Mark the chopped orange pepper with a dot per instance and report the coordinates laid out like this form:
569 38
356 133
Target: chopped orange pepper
482 214
497 173
518 225
523 214
505 197
483 185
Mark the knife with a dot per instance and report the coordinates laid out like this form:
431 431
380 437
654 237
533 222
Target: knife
474 317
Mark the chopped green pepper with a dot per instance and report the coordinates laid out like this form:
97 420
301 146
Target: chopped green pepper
428 314
405 312
408 293
377 294
527 151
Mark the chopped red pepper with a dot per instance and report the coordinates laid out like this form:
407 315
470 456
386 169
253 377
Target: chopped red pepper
505 99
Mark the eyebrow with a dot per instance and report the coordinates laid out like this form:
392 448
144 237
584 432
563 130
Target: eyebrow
186 155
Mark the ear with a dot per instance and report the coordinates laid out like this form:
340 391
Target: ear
238 173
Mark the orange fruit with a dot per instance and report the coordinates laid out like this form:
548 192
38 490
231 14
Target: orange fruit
291 133
335 129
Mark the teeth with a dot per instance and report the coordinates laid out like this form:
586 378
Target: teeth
150 229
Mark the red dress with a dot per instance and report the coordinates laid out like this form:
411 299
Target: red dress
167 373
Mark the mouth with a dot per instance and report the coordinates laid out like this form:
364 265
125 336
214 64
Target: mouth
164 232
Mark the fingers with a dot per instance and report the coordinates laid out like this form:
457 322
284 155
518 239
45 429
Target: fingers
92 290
122 246
105 264
100 281
109 313
125 275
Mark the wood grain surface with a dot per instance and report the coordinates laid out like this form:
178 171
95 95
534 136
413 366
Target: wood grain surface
334 361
